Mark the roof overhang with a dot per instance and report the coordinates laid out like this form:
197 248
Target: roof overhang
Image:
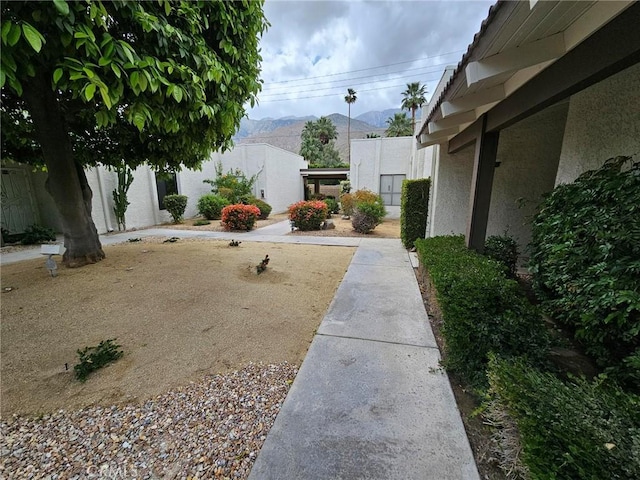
324 173
517 43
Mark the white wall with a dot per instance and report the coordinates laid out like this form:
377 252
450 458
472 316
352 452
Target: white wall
278 172
528 153
372 157
283 185
603 122
450 191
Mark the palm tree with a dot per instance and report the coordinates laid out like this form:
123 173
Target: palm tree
414 98
398 126
325 130
350 98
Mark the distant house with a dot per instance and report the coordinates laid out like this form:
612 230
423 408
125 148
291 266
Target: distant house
546 91
381 164
25 200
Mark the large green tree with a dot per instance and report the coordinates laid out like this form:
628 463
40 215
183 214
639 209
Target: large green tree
412 99
398 126
318 146
89 82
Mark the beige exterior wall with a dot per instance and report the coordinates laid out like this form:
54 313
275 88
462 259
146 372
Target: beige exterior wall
528 153
450 191
603 122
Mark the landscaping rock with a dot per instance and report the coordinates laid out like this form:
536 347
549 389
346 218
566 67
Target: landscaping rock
328 225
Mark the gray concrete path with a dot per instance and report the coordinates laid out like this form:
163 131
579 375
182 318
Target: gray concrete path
370 401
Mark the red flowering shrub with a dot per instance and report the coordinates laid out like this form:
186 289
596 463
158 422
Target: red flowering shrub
239 216
308 215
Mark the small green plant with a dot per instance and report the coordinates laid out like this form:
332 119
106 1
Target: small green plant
367 216
37 234
234 185
345 187
120 198
265 208
240 216
414 205
93 358
332 205
176 205
200 223
368 211
211 205
308 215
503 249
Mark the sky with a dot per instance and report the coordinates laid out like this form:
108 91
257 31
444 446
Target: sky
314 50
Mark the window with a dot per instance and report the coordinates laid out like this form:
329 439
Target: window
166 184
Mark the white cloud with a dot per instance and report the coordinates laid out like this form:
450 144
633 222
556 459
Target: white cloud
315 50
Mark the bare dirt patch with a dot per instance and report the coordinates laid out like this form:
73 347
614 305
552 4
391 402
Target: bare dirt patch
180 311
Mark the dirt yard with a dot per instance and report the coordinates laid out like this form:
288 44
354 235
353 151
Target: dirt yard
180 311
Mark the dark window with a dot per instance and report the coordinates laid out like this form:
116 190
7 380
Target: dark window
166 184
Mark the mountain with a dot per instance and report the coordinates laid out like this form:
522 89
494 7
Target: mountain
249 127
378 119
287 131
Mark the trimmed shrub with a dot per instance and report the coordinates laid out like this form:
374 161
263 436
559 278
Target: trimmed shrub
175 205
348 203
414 205
211 205
332 205
503 249
308 215
37 234
240 216
365 195
368 215
483 311
265 208
573 430
585 260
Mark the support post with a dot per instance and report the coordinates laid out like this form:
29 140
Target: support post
481 183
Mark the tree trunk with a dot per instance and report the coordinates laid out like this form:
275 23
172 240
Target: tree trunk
66 181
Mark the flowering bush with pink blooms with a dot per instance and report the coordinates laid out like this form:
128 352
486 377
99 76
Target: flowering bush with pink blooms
239 216
308 215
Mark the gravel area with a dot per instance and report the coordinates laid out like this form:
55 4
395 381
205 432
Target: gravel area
208 429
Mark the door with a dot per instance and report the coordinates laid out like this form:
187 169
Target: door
391 188
17 205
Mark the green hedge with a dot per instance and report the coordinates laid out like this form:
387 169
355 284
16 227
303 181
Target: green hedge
569 430
585 260
483 311
413 210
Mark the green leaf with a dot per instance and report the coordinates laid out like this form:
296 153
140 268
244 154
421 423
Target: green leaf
142 82
116 70
57 75
14 34
104 93
90 91
104 61
6 28
139 120
61 6
33 36
177 93
3 78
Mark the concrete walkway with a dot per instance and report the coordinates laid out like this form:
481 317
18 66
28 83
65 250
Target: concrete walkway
370 400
